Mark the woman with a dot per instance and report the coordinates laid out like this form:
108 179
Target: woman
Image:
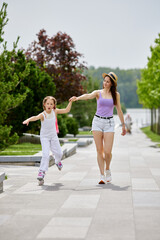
103 122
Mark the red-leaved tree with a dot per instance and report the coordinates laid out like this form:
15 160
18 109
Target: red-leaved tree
58 57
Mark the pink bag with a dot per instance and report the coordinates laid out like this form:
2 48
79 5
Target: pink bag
57 129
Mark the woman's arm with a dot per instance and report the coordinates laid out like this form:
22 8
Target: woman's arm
64 110
120 114
34 118
92 95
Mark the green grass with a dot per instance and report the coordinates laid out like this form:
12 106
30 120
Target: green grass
153 136
22 149
73 140
85 133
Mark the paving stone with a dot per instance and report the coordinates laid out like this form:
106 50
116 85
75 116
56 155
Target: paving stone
137 162
30 188
4 218
73 176
36 212
81 201
144 184
147 223
72 228
72 205
146 199
155 171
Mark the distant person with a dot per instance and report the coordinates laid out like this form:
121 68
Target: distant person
128 123
103 122
48 134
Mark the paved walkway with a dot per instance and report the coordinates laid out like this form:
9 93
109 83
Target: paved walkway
71 205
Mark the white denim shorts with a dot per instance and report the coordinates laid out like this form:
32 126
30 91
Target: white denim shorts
103 125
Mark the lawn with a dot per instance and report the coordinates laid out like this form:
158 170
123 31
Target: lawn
153 136
85 133
73 140
22 149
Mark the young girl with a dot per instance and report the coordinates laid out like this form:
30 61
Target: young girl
48 134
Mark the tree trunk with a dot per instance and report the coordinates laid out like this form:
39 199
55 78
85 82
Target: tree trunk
152 119
158 123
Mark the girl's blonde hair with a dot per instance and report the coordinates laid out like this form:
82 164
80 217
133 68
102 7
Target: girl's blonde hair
52 98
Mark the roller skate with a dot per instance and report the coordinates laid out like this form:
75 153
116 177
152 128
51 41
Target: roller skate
40 178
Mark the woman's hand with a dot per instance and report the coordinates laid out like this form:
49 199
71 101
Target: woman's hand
73 99
123 130
26 122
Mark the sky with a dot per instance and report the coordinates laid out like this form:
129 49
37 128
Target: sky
109 33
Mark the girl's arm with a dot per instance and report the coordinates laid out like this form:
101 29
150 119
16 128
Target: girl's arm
34 118
64 110
120 114
92 95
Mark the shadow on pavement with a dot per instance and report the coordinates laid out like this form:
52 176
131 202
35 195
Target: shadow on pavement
58 186
114 187
54 187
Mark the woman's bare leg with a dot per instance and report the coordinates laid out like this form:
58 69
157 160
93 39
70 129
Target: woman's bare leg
108 144
98 138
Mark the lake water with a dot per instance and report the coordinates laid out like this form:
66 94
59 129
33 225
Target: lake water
140 117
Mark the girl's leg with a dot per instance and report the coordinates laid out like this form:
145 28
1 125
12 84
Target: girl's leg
98 138
45 154
108 143
56 149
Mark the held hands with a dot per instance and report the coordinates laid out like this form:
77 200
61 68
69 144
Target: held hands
73 99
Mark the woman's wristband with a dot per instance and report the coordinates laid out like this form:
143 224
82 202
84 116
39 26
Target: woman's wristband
123 124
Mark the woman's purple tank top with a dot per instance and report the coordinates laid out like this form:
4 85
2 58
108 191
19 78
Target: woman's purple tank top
104 106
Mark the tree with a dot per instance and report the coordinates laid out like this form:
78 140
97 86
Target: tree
72 126
58 57
40 85
9 81
62 125
149 84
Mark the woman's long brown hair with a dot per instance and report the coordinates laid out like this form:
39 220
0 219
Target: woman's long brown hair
114 92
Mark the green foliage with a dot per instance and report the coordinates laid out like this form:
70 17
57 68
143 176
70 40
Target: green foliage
83 111
122 107
62 125
6 138
126 84
149 84
3 20
72 126
66 124
9 82
40 85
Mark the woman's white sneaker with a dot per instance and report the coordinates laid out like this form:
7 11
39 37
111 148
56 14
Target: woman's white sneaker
102 179
108 176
